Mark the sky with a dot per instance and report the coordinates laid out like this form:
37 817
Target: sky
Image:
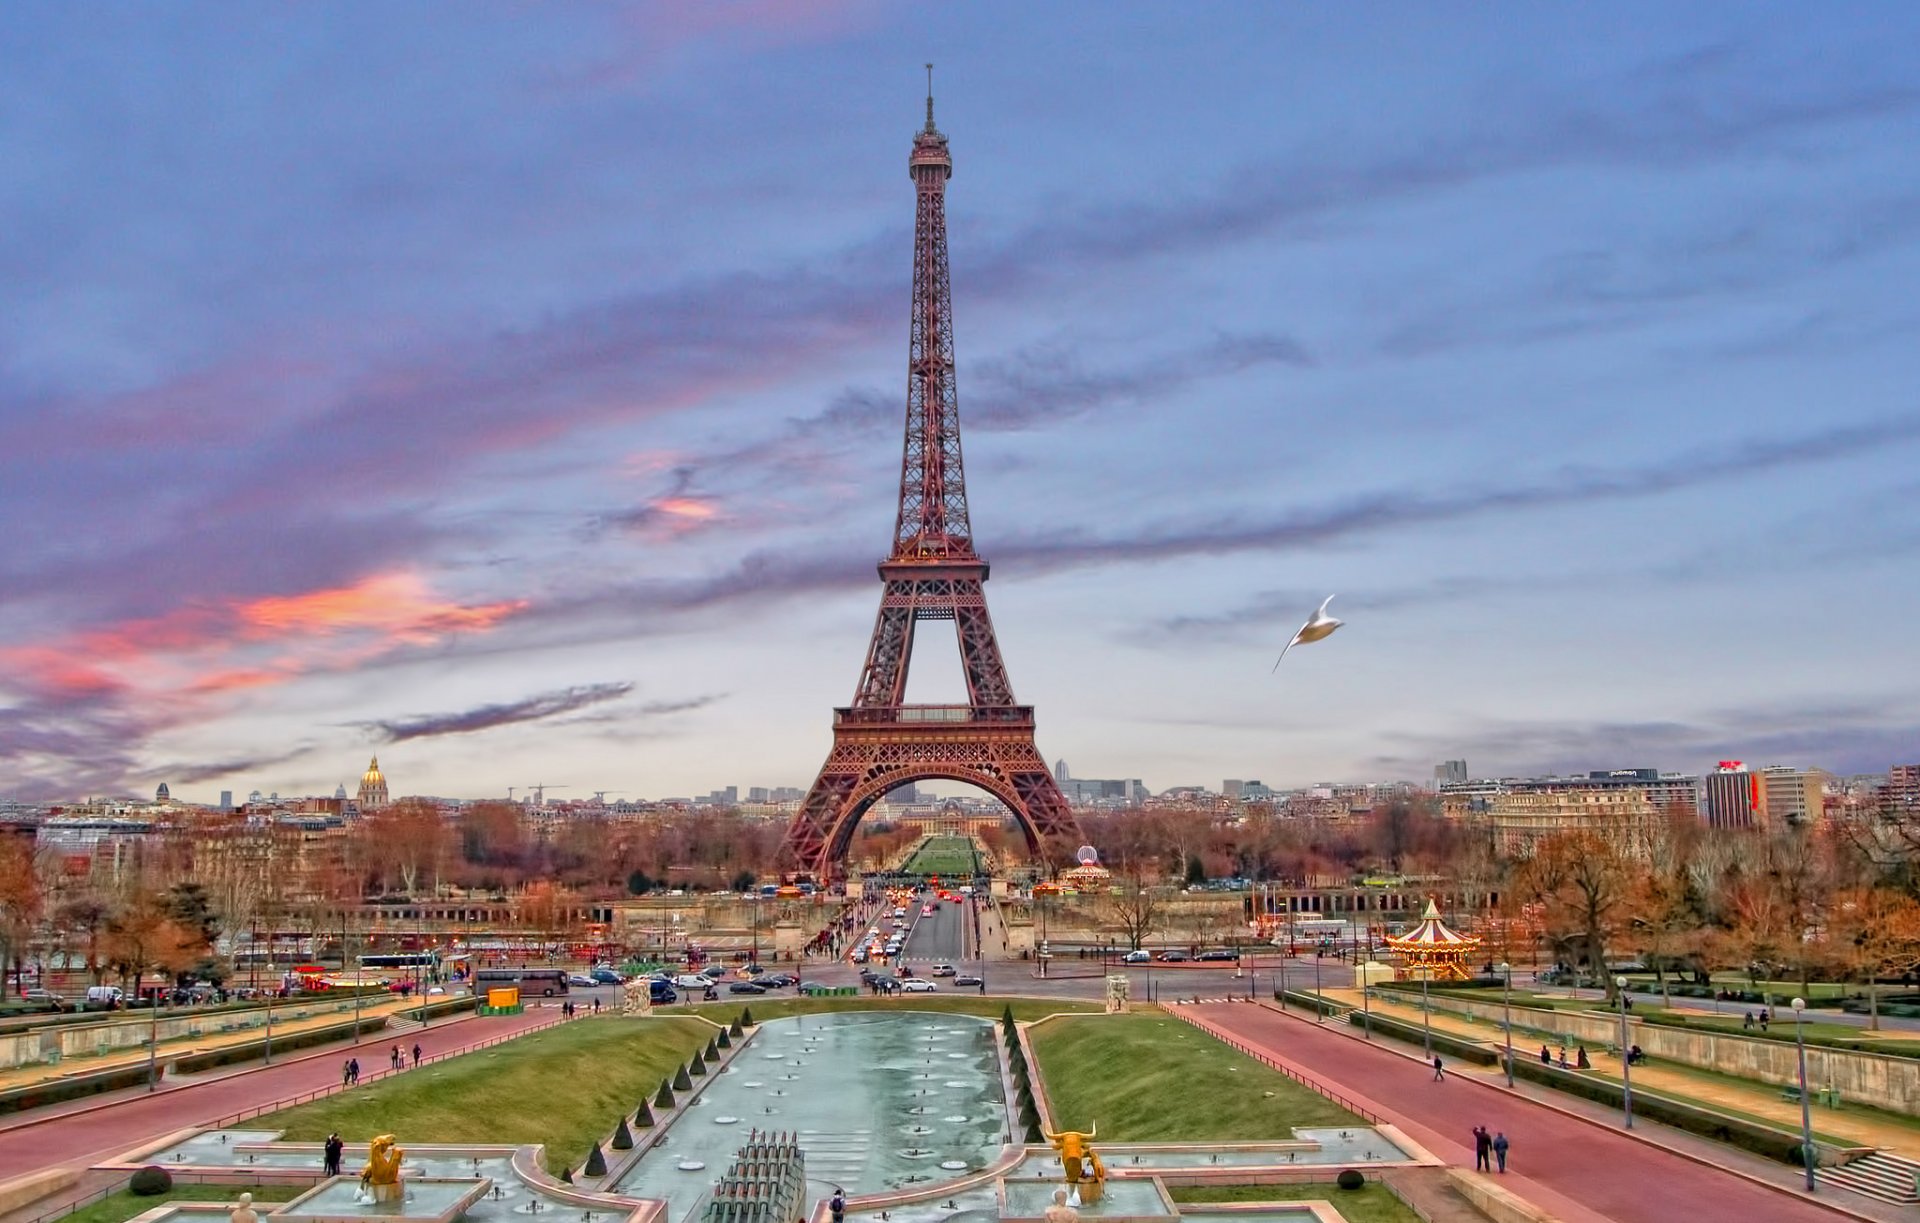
516 391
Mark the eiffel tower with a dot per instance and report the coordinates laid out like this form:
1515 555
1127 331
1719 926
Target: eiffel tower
933 573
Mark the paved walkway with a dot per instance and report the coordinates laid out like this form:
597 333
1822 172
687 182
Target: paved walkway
86 1133
1575 1170
70 1067
1760 1100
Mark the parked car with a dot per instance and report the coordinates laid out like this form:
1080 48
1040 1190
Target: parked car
779 980
693 980
607 976
44 999
661 992
973 982
1218 953
1136 957
812 988
104 995
746 987
944 970
1173 957
919 985
580 980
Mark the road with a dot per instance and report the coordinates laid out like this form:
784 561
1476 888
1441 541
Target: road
1570 1167
937 939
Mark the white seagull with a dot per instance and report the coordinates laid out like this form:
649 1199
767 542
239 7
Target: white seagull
1319 625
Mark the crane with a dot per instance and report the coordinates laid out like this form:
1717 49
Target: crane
540 793
510 790
600 796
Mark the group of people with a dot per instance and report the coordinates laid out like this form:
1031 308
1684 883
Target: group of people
1547 1058
332 1152
570 1009
396 1059
1763 1018
1489 1149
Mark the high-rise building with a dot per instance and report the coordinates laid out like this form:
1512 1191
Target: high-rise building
1446 771
226 800
1060 770
1790 796
1902 791
1733 796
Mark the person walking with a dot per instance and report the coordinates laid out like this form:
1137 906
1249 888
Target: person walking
1500 1150
1439 1072
838 1205
346 1073
1482 1149
416 1055
353 1071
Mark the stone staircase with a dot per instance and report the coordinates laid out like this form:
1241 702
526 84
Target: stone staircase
1883 1177
396 1025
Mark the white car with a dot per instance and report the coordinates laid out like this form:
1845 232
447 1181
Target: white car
1137 957
944 970
692 980
918 985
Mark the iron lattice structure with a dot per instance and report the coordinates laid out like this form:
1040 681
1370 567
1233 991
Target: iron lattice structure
933 573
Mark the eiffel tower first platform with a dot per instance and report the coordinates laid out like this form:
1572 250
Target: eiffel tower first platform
933 573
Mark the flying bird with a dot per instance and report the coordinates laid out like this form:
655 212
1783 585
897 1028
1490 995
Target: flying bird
1318 626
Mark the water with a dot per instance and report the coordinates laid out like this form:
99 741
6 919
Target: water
864 1115
426 1199
1029 1199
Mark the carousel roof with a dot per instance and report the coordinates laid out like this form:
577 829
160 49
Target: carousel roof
1432 933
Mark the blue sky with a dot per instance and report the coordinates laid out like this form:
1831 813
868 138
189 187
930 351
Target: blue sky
517 391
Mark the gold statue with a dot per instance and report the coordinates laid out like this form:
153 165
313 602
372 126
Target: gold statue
380 1179
1086 1175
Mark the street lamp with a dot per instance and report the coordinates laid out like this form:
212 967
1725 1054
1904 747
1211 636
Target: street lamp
1806 1116
1366 995
1426 1012
1506 1008
1283 980
1626 1061
1319 1003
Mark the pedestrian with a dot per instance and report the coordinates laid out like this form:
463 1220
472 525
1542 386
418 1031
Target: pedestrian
346 1073
1439 1072
416 1054
1563 1057
353 1071
393 1057
1546 1056
1482 1149
1747 1020
983 987
333 1151
596 1006
838 1204
1582 1061
1500 1150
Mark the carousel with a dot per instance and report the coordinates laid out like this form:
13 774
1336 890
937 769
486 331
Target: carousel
1088 875
1431 951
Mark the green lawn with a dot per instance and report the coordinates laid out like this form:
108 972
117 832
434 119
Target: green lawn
116 1207
1024 1009
565 1087
947 857
1371 1203
1150 1078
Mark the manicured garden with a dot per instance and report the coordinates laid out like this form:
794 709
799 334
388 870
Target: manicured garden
1371 1203
772 1007
564 1087
1146 1077
948 857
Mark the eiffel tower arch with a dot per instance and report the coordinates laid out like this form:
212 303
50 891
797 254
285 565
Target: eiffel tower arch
932 573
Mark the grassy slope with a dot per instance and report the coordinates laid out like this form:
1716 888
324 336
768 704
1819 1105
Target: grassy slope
1146 1078
948 857
124 1205
1369 1204
565 1087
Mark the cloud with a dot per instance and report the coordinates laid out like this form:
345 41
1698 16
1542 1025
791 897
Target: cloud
185 774
488 717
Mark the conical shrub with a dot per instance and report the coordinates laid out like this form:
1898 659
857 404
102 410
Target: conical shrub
596 1162
696 1067
643 1118
566 1176
1006 1019
713 1049
746 1017
664 1097
1033 1136
681 1082
723 1040
736 1028
1028 1114
623 1137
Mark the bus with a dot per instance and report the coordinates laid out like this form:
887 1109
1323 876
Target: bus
546 982
406 960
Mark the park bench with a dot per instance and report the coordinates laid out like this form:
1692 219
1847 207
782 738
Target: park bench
1790 1093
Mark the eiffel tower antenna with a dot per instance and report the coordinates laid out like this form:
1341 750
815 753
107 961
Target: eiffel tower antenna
931 573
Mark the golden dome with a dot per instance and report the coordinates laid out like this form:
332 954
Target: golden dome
372 776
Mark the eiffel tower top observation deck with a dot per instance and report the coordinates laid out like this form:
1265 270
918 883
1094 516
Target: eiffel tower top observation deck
931 573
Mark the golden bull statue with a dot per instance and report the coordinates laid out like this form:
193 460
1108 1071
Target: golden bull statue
380 1179
1086 1175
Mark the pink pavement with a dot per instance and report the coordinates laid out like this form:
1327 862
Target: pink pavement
1576 1170
84 1133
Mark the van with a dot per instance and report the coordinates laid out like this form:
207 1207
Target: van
661 992
103 995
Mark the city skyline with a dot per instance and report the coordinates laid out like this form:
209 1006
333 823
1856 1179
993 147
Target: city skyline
520 399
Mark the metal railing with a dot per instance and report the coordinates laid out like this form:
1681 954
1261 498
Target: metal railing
1257 1055
889 715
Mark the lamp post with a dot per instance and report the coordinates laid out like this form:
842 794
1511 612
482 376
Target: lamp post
153 1036
1806 1115
1506 1009
1283 979
1426 1012
1319 1003
1366 996
1626 1064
